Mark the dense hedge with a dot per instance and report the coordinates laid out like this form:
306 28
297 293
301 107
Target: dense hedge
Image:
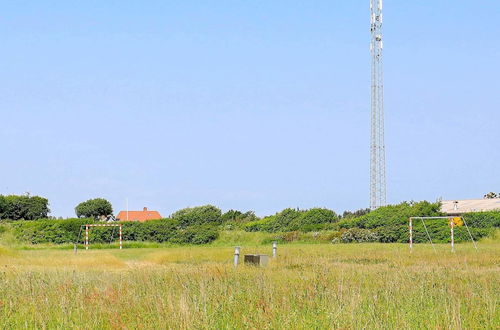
49 231
390 223
387 224
358 235
439 232
69 231
483 219
200 215
392 215
295 220
199 225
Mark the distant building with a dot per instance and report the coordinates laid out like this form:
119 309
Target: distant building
140 216
457 207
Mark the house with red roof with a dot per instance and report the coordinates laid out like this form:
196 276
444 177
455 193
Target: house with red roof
140 216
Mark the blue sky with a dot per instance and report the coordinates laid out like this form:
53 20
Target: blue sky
251 105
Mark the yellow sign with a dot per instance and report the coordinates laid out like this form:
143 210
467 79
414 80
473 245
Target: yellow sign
457 221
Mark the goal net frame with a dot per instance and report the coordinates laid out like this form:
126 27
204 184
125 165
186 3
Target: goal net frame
452 221
87 231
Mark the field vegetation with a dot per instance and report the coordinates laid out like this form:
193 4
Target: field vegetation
204 224
347 286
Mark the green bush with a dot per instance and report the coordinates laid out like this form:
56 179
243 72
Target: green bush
258 225
282 220
393 215
236 216
200 215
483 219
358 235
50 231
392 233
314 219
439 232
71 231
355 214
196 235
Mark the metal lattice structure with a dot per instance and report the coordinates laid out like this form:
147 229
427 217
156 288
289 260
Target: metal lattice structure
377 144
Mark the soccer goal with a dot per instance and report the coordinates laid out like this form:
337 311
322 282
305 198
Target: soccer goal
87 232
452 221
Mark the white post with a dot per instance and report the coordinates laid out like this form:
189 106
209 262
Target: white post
452 236
275 249
120 237
411 236
86 237
236 255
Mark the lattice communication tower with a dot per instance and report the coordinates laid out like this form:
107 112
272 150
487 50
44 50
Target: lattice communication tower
377 144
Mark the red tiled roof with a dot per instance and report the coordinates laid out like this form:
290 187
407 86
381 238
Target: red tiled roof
140 216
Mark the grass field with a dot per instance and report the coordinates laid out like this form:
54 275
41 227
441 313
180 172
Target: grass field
308 286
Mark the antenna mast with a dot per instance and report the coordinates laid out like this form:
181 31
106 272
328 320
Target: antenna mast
377 145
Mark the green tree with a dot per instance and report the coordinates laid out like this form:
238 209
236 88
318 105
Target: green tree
282 220
24 207
94 208
231 215
238 216
3 206
355 214
313 219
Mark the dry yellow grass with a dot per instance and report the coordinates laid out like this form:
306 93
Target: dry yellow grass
308 286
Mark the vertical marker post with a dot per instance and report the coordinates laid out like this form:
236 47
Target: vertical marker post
411 236
275 249
86 237
452 236
120 230
236 255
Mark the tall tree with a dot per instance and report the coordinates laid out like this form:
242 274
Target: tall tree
24 207
94 208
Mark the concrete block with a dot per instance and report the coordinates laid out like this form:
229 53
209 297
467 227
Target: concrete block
256 259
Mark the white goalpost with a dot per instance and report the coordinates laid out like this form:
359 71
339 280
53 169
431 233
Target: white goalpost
88 226
452 221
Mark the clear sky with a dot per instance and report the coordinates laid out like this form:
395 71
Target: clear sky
252 105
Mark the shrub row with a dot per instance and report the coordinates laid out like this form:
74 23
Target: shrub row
295 220
439 232
392 215
202 224
389 224
71 231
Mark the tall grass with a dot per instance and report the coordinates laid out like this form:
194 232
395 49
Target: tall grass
348 286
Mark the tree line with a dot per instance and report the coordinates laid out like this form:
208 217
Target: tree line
202 224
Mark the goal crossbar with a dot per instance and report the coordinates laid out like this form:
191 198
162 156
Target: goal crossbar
88 226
